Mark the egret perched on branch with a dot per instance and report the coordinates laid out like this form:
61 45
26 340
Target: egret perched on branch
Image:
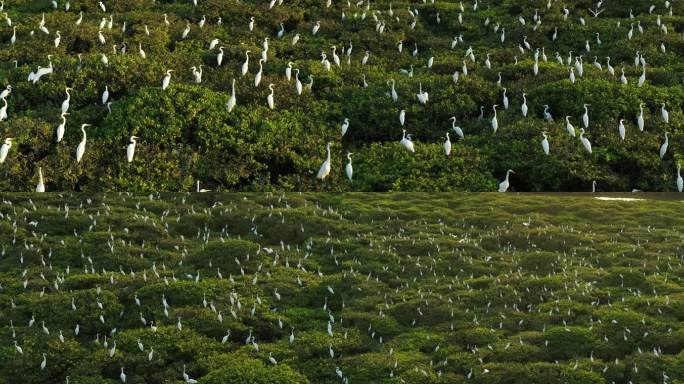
232 101
325 167
349 170
167 79
545 143
5 149
80 150
40 187
406 141
503 186
130 149
585 142
61 127
65 103
680 181
663 147
269 99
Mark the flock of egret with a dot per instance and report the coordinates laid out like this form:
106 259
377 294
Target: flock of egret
379 17
121 275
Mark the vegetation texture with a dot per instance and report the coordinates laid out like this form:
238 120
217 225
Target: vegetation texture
306 288
461 55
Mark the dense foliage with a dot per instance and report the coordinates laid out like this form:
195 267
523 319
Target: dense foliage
187 133
399 288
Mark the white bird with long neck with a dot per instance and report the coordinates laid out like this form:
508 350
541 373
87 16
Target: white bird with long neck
569 127
495 120
680 181
447 145
105 95
61 128
545 143
130 149
455 128
585 142
65 103
245 65
585 117
197 74
324 171
257 77
505 99
664 114
523 107
167 79
344 127
663 147
503 186
40 187
406 142
232 100
621 129
269 99
640 118
219 57
288 71
349 170
393 91
80 150
4 150
3 110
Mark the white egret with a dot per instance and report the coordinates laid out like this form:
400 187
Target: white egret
298 83
523 107
43 363
640 118
447 145
122 376
569 127
257 77
219 57
345 126
167 79
545 143
4 150
402 117
680 181
585 117
406 142
80 150
40 187
664 114
130 149
621 129
505 99
585 142
105 95
325 167
503 186
232 100
6 92
348 169
245 65
495 120
393 92
456 129
3 110
58 38
65 103
663 147
288 71
269 99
